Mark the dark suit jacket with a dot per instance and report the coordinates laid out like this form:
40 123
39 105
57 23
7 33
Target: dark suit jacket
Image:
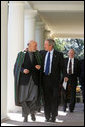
24 78
57 66
81 77
76 70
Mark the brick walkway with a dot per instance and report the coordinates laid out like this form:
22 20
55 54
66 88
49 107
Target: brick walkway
64 118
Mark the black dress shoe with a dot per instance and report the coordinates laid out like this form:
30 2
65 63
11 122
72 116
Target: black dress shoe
71 110
25 119
39 109
64 108
47 120
33 117
52 120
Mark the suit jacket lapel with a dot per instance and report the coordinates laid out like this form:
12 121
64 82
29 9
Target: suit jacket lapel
44 56
53 60
74 64
43 60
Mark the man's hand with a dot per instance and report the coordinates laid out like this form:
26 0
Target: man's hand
66 79
38 67
26 71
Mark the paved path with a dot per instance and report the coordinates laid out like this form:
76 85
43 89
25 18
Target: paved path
64 118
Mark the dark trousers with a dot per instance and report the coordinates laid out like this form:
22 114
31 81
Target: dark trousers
83 91
69 95
50 98
27 109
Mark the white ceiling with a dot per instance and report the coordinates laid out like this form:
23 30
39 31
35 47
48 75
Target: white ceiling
57 5
61 17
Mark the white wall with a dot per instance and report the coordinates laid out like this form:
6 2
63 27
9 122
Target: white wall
4 25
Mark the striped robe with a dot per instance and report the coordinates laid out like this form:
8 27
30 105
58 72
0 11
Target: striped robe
17 69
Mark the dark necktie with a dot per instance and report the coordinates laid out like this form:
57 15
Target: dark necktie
70 67
47 64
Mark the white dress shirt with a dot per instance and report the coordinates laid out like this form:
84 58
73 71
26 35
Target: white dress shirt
72 60
51 57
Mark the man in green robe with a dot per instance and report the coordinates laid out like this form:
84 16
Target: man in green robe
27 77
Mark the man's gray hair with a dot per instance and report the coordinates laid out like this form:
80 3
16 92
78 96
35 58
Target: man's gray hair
51 42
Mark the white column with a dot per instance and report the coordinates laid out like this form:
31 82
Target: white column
4 24
30 19
15 44
39 37
47 34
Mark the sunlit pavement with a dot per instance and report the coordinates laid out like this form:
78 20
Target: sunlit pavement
63 119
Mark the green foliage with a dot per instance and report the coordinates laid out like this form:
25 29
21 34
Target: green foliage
59 46
64 45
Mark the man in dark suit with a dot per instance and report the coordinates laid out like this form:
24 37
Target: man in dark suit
71 72
81 77
52 68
